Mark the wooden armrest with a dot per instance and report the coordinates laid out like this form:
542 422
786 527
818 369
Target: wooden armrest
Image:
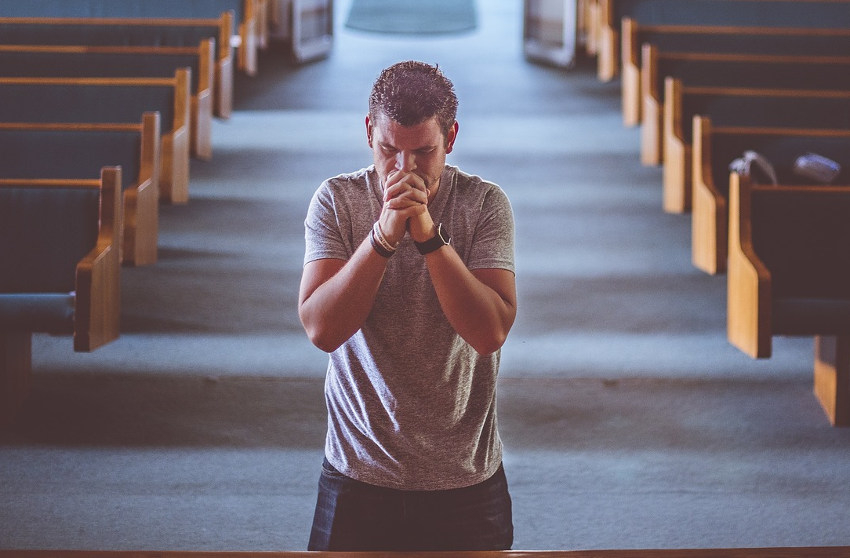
98 284
748 308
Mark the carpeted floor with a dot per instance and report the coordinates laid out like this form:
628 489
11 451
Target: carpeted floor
417 17
628 419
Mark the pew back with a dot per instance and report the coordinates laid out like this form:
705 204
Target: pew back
76 62
822 14
59 223
119 100
109 61
802 235
727 39
79 151
730 70
127 32
246 14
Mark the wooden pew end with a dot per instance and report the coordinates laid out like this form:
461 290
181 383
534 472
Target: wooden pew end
15 368
832 377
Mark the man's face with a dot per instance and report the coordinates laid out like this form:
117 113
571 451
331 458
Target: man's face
420 149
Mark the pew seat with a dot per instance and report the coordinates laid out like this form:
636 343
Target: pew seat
59 248
789 274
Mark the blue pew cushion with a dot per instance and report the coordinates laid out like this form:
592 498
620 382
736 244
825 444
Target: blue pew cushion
43 312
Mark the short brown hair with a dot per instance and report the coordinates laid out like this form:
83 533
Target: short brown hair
411 92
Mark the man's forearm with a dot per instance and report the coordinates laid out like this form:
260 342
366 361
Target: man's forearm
335 301
480 308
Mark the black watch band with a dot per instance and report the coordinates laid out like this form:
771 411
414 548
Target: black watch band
442 238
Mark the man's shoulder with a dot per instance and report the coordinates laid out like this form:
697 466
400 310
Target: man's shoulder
356 178
471 184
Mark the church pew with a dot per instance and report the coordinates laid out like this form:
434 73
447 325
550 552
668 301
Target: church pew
735 106
59 244
753 552
734 70
79 151
111 100
714 148
824 14
789 274
728 39
117 61
75 31
245 14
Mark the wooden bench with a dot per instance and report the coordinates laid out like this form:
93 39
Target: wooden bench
246 17
727 39
118 100
789 274
732 70
59 244
824 14
117 61
78 151
715 148
779 552
137 32
735 106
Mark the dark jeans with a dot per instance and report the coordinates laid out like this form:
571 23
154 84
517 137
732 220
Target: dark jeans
355 516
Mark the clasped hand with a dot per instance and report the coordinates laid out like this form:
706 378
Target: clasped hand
406 208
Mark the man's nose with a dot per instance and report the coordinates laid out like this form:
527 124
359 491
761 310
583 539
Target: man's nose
405 161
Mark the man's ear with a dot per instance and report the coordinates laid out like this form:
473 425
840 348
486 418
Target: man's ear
369 131
450 139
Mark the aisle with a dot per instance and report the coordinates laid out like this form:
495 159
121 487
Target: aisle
628 419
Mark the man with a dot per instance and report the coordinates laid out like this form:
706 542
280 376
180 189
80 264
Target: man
408 283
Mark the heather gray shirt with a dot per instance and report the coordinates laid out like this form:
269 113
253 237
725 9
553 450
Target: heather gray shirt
410 404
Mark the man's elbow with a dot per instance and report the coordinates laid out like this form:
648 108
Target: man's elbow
489 344
320 336
322 341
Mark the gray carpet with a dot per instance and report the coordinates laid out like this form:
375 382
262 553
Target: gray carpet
628 419
418 17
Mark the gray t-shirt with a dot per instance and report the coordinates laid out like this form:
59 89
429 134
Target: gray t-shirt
411 405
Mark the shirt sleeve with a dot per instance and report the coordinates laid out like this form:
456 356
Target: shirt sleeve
493 246
322 228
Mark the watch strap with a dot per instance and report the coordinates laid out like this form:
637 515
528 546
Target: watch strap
439 240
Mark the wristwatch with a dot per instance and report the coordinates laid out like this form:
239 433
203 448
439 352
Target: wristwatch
442 238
